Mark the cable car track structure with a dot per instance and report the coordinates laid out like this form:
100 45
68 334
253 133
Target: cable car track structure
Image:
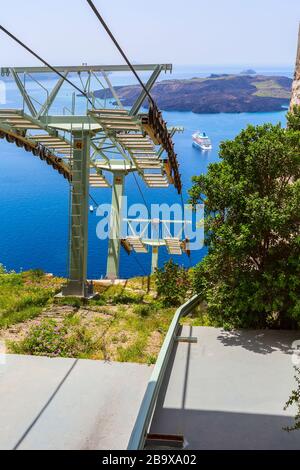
12 126
89 145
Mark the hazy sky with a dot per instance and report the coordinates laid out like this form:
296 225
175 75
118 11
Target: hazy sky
208 32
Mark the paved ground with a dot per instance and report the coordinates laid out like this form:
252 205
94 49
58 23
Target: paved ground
68 404
225 392
228 391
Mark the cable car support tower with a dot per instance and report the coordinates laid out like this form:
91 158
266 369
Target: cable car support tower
86 146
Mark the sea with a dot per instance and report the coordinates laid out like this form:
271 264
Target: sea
34 199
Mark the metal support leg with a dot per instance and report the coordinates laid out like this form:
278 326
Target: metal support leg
114 247
149 85
154 264
77 285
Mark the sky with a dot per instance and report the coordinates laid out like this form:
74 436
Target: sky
214 32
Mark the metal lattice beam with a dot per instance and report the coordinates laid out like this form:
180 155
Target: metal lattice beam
84 147
88 68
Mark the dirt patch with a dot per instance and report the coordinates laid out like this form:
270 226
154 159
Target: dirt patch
154 343
106 325
20 330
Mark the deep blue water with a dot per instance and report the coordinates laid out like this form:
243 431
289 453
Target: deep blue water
34 199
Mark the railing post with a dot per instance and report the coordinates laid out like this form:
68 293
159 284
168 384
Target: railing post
154 263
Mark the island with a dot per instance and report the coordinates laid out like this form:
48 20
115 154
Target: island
216 94
248 72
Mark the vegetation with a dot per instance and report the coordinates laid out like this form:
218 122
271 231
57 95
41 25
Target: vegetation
124 333
251 276
198 317
125 323
271 88
23 296
219 93
295 400
55 339
294 119
116 295
173 284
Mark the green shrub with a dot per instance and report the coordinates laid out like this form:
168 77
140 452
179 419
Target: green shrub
293 119
2 269
126 298
36 274
20 306
251 276
24 295
116 295
151 360
295 400
70 301
144 310
55 339
132 353
173 284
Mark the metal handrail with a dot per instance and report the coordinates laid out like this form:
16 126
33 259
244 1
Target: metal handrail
140 430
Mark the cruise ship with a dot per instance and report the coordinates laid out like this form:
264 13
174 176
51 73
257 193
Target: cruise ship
202 141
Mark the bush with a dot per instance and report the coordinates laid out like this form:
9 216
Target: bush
36 274
144 310
22 297
74 302
126 298
251 276
53 339
293 118
173 284
116 295
2 269
295 400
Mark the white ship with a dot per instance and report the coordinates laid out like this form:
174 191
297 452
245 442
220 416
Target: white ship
202 141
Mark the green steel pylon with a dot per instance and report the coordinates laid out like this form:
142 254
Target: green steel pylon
77 284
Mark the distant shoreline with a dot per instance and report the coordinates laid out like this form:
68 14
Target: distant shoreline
219 93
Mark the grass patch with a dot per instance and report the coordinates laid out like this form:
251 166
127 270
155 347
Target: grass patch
119 333
125 323
23 296
146 283
199 317
144 310
147 325
54 339
132 353
116 295
270 89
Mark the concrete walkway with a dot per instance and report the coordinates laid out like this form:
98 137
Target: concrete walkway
68 404
228 391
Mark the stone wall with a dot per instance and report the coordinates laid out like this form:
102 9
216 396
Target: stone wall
295 100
